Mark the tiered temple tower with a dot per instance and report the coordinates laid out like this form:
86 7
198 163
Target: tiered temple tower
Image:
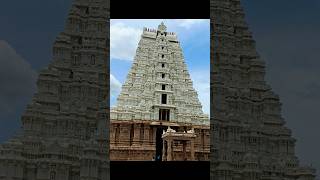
156 96
64 129
249 140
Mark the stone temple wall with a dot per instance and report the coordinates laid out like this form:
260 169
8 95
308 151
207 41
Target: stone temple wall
136 140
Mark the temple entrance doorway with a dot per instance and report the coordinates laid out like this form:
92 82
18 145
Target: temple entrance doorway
159 143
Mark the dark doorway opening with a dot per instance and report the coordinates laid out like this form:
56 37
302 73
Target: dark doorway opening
131 134
164 114
159 144
163 98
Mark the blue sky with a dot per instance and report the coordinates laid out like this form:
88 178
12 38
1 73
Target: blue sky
194 36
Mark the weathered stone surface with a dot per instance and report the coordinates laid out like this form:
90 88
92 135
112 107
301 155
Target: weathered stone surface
64 129
158 71
248 138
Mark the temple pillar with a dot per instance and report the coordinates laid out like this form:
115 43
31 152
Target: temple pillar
184 144
124 134
136 136
146 133
164 158
192 149
154 135
169 153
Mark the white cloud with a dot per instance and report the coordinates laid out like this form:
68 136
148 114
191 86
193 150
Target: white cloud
201 82
188 23
123 41
17 79
115 86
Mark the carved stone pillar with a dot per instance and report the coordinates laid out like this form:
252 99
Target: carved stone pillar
192 149
146 134
124 134
154 135
184 144
169 153
136 137
164 151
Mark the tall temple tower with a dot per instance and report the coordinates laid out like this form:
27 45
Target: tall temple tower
64 129
158 105
249 140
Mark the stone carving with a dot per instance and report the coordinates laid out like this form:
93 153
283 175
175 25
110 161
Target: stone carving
162 27
191 131
248 137
169 130
64 131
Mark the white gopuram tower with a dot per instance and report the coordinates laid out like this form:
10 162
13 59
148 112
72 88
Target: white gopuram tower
64 129
249 139
158 92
